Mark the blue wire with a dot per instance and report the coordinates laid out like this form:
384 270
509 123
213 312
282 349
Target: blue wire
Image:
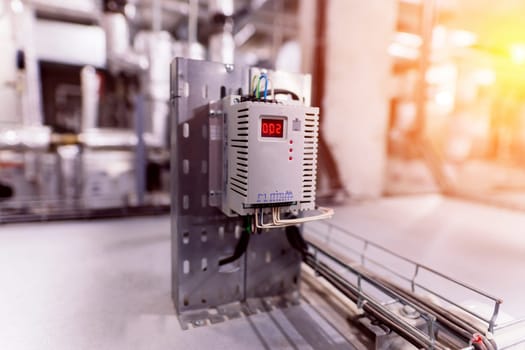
263 75
265 86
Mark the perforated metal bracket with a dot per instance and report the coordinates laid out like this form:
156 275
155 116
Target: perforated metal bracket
216 151
253 306
201 234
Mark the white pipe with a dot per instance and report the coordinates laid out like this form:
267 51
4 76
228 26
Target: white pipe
90 86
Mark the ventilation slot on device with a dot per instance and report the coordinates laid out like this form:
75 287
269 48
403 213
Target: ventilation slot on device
309 176
239 177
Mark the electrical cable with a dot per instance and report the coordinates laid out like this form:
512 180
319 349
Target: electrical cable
259 222
248 224
252 223
326 213
477 342
255 89
490 344
240 248
265 77
252 86
296 240
257 86
272 90
287 92
370 307
265 86
451 321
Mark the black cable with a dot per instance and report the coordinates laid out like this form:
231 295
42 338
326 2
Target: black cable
251 98
296 240
240 248
271 100
286 92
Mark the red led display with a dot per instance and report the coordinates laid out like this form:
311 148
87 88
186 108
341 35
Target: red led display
272 128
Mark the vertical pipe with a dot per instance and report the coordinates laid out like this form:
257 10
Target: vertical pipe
90 85
326 158
494 317
277 35
221 46
193 17
140 150
23 32
156 18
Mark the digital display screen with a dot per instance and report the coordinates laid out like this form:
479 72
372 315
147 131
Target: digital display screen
272 128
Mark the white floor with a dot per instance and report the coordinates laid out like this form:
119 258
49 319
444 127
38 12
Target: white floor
74 285
106 284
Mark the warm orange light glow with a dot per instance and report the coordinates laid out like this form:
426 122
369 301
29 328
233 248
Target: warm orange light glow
462 38
517 53
444 98
485 77
398 50
408 39
439 74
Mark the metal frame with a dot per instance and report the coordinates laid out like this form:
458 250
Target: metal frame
201 233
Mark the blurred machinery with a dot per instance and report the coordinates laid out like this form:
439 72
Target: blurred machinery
84 91
457 121
85 112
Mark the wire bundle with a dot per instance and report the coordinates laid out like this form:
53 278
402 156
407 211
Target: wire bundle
259 93
326 213
256 86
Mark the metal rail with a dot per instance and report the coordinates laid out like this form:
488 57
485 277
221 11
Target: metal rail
369 304
328 230
49 209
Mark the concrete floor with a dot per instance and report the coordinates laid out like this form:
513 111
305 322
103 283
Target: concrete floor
106 284
74 285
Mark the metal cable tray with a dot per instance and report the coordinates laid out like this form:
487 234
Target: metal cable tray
373 293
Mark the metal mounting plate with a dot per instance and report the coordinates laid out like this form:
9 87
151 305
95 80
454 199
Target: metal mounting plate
201 233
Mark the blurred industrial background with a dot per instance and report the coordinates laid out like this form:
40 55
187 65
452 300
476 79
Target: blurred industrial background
435 95
422 129
85 91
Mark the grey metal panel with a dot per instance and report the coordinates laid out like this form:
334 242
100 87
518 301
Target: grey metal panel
192 218
273 265
201 231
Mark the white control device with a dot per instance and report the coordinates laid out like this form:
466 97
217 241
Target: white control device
270 156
